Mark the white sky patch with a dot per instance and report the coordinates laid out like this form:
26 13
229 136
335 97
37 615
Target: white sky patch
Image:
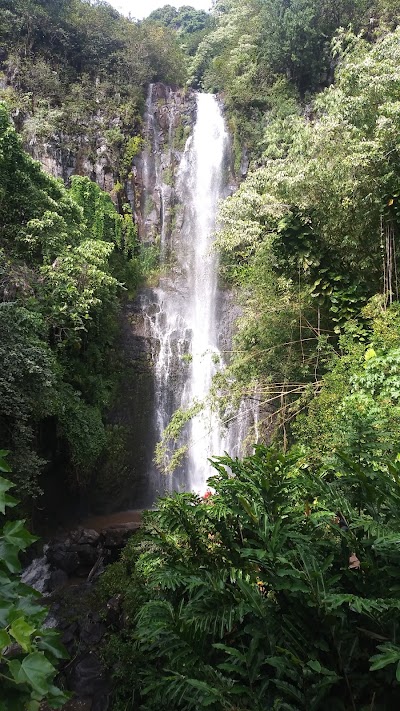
141 8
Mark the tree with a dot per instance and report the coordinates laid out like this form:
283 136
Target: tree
310 235
63 254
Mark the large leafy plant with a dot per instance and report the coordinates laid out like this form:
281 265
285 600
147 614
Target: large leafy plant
28 650
280 591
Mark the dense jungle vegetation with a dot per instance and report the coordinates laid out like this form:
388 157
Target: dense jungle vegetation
75 76
74 69
64 255
280 588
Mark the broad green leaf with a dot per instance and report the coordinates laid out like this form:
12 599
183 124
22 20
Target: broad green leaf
5 609
390 654
49 641
29 608
37 671
247 507
9 556
279 663
33 705
56 698
8 502
231 651
15 668
14 532
5 485
4 465
4 639
314 665
22 632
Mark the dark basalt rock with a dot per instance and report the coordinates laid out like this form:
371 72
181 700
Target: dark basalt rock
118 536
101 702
92 633
86 677
79 555
60 556
84 536
66 571
57 579
87 556
70 635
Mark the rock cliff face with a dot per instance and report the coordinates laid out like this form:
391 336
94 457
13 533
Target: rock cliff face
61 160
159 213
93 148
170 117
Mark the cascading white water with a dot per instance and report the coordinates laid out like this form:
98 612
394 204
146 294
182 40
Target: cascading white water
181 313
205 160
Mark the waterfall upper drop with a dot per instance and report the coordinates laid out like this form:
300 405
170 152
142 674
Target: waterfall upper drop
175 333
202 171
181 313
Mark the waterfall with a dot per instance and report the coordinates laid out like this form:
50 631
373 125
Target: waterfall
176 333
181 313
202 174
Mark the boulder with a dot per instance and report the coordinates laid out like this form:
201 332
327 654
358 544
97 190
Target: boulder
84 536
70 636
118 536
92 633
57 579
86 677
61 557
87 555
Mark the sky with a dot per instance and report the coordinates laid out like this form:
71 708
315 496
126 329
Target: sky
141 8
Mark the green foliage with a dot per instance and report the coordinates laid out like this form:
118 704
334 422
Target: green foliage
63 256
82 426
149 260
185 19
251 598
257 46
356 411
133 147
76 67
306 235
191 24
168 455
28 650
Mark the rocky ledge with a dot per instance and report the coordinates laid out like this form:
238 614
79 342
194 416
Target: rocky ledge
65 575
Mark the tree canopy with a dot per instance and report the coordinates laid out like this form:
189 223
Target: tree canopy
63 254
310 235
74 71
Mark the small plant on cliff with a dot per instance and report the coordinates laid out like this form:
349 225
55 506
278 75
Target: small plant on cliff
28 651
133 147
169 455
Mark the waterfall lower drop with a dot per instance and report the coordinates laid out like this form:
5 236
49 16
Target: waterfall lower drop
181 314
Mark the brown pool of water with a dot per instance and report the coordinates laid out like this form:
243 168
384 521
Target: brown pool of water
121 519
